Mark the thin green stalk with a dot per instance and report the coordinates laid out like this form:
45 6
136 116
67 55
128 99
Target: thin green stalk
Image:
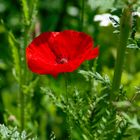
22 114
92 80
68 105
24 75
66 86
124 34
2 108
82 16
21 95
23 78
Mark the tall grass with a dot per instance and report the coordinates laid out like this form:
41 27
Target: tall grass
84 105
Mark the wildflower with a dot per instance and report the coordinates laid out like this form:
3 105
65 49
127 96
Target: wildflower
104 19
59 52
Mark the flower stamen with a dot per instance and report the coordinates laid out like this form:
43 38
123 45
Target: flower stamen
62 61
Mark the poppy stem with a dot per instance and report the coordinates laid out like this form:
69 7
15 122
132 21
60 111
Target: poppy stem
124 34
66 86
82 16
22 104
23 76
67 105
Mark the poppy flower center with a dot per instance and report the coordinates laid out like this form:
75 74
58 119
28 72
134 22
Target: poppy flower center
62 60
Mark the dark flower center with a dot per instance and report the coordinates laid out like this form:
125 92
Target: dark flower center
62 60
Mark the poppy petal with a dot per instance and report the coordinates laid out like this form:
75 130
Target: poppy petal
93 53
59 52
70 42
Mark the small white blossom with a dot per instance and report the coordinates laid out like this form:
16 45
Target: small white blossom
136 13
105 19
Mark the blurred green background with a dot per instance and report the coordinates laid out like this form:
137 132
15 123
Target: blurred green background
42 116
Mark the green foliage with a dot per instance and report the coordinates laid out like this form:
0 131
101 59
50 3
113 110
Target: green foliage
103 5
30 87
89 74
15 54
79 108
133 127
13 134
95 116
25 11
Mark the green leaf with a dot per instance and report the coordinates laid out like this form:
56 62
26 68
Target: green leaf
25 11
15 54
29 88
132 46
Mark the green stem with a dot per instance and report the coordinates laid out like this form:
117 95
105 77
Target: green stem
124 34
68 105
21 94
82 16
66 86
23 77
22 114
2 109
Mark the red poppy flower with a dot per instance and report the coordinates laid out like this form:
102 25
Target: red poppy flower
59 52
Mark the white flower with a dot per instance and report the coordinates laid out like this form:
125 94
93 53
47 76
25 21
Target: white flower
136 14
105 19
